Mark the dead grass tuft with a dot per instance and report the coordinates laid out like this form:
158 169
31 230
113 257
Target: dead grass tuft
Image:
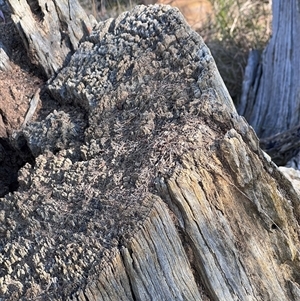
234 28
105 9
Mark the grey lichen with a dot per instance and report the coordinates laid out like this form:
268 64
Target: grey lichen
59 130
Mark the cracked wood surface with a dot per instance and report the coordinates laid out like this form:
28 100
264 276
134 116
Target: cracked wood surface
271 92
51 30
147 184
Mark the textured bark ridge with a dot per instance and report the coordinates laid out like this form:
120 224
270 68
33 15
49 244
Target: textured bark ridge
51 30
149 186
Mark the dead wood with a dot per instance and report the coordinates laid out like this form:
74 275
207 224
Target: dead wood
51 30
147 184
271 102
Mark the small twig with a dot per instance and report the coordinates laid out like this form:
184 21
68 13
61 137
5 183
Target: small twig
2 16
32 107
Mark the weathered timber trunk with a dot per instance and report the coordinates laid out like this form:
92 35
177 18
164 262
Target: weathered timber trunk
51 30
149 186
271 100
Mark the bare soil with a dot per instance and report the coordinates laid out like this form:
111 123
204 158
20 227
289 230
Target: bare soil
17 86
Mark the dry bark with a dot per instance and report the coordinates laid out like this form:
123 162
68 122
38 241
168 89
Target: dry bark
164 194
271 102
51 30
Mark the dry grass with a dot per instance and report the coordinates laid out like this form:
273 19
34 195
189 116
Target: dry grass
104 9
235 27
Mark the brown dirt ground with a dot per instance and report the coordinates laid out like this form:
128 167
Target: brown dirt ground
17 87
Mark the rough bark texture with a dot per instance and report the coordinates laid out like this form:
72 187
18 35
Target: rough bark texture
153 188
51 30
273 99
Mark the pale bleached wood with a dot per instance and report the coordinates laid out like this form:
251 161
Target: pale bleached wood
51 30
151 266
274 101
5 63
229 229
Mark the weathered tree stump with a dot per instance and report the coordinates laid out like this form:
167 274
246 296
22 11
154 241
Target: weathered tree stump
149 186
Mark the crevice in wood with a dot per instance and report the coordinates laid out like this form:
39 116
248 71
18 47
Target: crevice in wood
85 296
128 277
4 119
36 9
186 243
194 258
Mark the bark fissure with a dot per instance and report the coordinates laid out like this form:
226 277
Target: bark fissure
129 280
